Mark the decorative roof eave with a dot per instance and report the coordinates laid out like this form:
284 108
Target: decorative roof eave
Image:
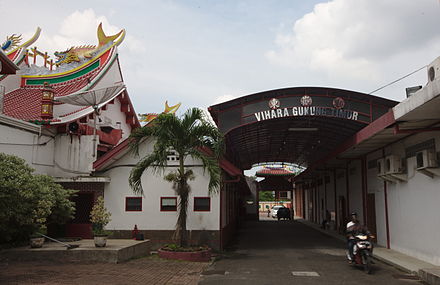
16 54
7 66
274 171
112 45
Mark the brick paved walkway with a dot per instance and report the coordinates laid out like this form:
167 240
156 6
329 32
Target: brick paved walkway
148 270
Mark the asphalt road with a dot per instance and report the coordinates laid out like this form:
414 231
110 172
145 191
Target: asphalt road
267 252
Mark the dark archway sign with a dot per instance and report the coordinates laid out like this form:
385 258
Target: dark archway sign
297 125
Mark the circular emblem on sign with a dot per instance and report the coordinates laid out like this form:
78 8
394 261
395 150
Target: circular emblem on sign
338 103
274 103
306 101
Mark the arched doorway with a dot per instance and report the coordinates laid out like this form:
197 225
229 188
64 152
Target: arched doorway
303 126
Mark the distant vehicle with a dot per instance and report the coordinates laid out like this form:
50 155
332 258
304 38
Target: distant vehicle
284 213
275 210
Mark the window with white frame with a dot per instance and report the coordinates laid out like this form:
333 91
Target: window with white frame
168 204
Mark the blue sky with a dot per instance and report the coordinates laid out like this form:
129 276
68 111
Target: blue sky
202 52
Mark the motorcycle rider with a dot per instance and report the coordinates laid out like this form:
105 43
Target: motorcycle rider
354 227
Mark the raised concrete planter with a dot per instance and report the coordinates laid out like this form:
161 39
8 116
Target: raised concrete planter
430 275
199 256
116 251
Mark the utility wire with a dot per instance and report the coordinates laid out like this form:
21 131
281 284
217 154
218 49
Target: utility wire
397 80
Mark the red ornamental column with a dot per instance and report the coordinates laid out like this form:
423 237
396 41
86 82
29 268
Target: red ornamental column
47 101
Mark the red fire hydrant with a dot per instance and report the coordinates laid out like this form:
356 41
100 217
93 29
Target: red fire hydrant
134 232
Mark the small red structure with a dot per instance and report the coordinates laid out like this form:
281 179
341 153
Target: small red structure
134 232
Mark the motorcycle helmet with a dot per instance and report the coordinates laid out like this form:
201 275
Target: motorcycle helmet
353 214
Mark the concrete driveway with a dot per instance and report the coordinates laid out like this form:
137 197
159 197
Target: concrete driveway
267 252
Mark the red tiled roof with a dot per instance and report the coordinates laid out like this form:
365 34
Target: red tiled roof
25 103
274 171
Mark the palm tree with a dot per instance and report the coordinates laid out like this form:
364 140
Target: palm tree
189 136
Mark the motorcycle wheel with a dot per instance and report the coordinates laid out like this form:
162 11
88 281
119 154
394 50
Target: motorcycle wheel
366 260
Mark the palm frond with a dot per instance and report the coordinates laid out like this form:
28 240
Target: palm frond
208 136
138 135
211 165
156 161
191 118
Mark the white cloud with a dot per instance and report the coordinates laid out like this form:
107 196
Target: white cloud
353 39
224 98
79 28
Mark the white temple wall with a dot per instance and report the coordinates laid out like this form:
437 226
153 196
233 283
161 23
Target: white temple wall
117 118
355 188
12 81
112 76
151 217
414 206
73 155
23 139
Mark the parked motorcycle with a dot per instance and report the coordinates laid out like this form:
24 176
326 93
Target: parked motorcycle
362 252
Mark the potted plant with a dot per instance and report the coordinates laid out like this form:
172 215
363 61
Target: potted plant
36 240
100 217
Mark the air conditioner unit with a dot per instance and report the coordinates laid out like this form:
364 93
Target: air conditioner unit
393 164
426 158
380 167
434 70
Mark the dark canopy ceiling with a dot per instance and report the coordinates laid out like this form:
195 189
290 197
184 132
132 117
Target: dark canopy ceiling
253 134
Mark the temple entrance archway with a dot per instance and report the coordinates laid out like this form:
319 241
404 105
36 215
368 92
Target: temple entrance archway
304 126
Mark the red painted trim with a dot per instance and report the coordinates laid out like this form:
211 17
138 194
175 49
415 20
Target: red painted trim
303 192
397 130
237 179
98 164
364 188
378 125
347 189
220 218
387 223
194 206
135 198
335 198
111 138
162 210
226 165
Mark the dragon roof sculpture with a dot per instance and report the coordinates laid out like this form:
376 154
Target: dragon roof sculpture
87 52
148 117
11 42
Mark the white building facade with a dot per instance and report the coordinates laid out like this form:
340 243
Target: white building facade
390 177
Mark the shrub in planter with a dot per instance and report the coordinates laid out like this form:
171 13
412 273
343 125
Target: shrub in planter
100 217
192 253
